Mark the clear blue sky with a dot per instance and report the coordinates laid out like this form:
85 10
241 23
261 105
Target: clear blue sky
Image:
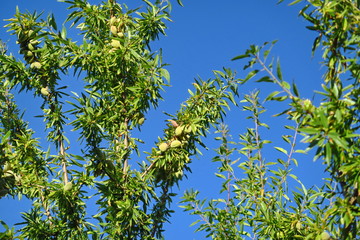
204 36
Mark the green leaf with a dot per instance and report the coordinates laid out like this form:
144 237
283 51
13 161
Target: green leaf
220 175
165 73
6 136
52 22
278 70
281 150
295 90
251 74
294 2
285 85
338 140
240 57
265 79
63 32
309 130
272 95
180 3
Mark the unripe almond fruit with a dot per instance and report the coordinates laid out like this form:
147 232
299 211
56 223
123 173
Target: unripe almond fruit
7 167
44 91
31 47
179 174
325 236
120 34
174 123
34 42
8 173
68 186
30 33
115 43
112 20
163 146
29 54
175 143
307 104
179 130
36 65
188 129
141 121
113 30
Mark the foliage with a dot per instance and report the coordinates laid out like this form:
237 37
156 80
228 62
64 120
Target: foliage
259 204
122 79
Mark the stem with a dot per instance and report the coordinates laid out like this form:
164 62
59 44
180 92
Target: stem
258 146
45 206
112 3
157 223
292 150
148 169
126 143
63 161
277 81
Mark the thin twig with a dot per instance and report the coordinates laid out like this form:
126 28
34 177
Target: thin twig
277 81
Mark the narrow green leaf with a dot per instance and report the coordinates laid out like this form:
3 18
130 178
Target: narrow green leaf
6 136
165 73
240 57
309 130
63 32
294 2
265 79
278 70
251 74
281 150
180 3
295 90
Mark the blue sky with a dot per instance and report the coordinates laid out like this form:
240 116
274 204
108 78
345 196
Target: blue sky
204 36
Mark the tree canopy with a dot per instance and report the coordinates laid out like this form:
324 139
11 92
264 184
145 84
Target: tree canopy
121 79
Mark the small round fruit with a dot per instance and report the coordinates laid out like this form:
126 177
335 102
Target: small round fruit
112 20
179 130
44 91
174 123
8 173
141 121
34 42
179 174
115 43
307 104
188 129
113 30
7 167
36 65
120 34
29 54
280 235
30 33
31 47
325 236
68 186
175 143
163 146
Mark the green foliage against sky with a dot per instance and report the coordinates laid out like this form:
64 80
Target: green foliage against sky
122 80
